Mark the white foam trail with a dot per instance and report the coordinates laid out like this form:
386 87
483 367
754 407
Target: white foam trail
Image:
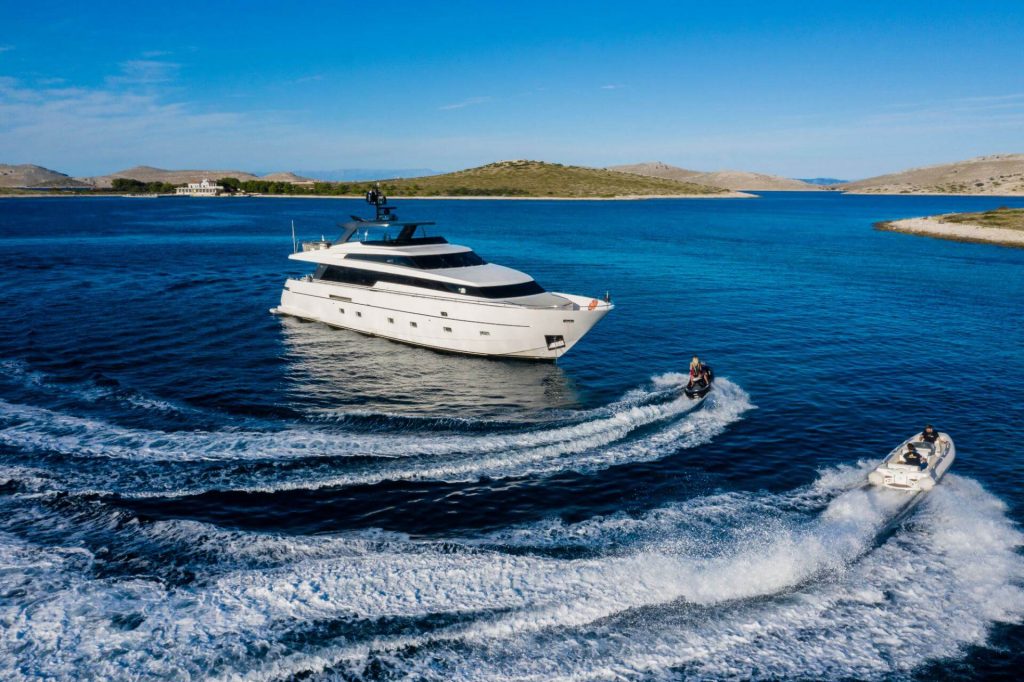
868 620
580 447
697 520
670 380
612 617
580 454
693 526
40 428
408 583
662 387
925 595
192 544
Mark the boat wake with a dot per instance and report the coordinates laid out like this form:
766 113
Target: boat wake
830 579
131 462
796 587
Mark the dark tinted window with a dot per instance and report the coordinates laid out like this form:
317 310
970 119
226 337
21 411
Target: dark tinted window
506 291
335 273
446 260
382 258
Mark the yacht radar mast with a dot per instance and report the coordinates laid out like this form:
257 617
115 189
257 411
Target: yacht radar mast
385 213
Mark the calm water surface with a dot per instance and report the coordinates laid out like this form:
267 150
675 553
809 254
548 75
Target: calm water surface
191 487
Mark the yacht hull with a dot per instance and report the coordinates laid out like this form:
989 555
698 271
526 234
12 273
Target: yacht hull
473 327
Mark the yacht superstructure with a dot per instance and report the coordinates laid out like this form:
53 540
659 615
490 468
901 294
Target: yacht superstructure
406 286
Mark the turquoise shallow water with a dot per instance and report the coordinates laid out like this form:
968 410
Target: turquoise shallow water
193 487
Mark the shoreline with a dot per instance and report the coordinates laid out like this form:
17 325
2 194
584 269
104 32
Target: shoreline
934 194
931 226
622 197
625 197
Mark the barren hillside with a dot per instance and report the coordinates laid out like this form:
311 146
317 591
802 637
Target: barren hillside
28 175
997 174
734 180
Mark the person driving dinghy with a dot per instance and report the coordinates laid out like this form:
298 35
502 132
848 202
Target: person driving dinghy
914 458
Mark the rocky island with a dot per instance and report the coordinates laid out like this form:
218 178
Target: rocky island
1002 226
520 179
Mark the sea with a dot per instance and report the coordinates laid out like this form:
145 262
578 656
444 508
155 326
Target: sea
193 488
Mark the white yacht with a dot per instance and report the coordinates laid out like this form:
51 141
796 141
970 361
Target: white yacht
387 278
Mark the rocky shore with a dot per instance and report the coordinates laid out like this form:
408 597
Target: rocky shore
950 227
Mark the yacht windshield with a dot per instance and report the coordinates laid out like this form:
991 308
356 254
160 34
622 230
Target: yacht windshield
463 259
368 278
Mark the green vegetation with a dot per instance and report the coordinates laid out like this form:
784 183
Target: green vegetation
281 187
502 179
1006 218
539 179
130 186
231 185
974 226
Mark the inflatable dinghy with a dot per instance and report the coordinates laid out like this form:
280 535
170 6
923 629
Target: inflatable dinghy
701 388
896 473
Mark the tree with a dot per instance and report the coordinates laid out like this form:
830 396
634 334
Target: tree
129 185
230 184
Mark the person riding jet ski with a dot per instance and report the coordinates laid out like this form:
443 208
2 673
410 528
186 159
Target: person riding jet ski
701 377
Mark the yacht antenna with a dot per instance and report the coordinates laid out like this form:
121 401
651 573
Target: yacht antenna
295 244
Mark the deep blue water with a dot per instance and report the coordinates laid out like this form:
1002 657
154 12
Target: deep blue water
191 487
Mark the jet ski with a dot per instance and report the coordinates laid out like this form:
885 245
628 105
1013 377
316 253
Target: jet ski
897 473
700 388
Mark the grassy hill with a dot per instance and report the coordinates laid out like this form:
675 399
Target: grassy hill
502 179
539 179
1006 218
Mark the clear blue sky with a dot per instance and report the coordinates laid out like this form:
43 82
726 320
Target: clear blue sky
801 89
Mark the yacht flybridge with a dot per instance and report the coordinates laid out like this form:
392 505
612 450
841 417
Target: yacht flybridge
386 277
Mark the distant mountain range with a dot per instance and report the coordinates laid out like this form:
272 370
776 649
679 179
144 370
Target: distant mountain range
997 174
726 179
357 174
823 181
